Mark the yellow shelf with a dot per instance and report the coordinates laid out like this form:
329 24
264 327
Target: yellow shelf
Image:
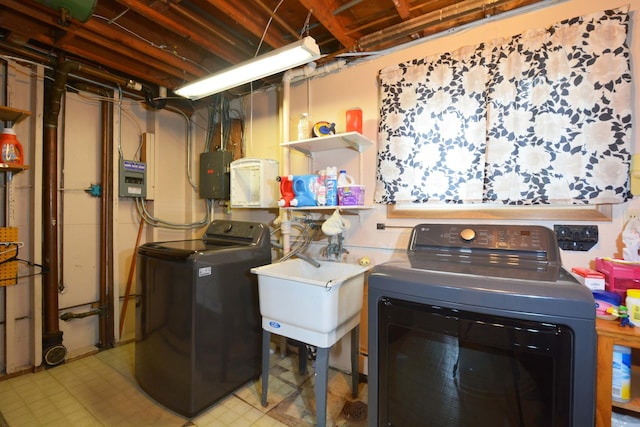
13 115
4 167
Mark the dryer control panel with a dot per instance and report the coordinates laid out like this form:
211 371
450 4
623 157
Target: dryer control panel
527 242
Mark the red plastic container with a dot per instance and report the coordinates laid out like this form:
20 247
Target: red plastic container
619 276
354 120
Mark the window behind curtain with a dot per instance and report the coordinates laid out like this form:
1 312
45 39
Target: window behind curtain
542 118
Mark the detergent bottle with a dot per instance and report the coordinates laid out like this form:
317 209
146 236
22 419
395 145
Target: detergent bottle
304 189
11 148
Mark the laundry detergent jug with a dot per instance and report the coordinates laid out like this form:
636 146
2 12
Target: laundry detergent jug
11 148
304 187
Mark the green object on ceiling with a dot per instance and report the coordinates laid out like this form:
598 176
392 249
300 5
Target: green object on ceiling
78 9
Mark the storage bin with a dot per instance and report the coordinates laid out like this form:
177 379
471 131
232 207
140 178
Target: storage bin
619 276
254 183
351 195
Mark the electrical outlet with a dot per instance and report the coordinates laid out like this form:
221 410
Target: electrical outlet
631 213
576 237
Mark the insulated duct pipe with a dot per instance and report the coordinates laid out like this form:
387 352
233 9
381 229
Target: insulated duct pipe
53 350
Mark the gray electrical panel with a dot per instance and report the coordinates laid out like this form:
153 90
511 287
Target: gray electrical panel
214 174
132 179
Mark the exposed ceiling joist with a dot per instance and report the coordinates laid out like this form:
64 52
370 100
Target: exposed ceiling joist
170 42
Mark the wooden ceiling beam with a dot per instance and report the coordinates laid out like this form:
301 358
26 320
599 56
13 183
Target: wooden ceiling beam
132 47
277 18
249 20
111 39
321 9
216 47
402 7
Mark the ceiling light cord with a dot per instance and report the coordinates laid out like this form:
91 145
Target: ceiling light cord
305 28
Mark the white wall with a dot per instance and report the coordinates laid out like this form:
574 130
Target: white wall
328 97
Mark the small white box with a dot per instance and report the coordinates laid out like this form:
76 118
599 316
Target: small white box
592 279
254 183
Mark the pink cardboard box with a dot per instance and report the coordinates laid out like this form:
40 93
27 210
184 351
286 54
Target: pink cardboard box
619 275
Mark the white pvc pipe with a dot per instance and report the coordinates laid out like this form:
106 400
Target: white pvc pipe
306 72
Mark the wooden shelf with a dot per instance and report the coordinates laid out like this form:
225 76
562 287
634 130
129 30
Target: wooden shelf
13 115
12 168
609 334
634 404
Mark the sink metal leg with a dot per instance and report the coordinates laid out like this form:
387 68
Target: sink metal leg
355 368
266 351
320 386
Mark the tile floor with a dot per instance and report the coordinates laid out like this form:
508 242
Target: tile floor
100 390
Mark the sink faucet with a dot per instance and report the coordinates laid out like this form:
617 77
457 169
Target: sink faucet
335 249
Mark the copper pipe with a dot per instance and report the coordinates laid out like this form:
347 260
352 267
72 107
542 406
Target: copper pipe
52 336
107 338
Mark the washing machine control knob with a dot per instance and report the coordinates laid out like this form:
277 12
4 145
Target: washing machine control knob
467 234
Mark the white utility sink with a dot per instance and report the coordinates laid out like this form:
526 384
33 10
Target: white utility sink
315 305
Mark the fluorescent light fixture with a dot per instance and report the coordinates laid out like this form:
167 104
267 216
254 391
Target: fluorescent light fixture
281 59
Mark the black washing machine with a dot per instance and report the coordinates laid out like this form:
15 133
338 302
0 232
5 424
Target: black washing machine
198 330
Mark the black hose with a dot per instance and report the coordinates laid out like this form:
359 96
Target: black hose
156 104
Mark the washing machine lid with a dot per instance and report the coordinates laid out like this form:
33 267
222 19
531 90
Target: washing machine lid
182 249
220 235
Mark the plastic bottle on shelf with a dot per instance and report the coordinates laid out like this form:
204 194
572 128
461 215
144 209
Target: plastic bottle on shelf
633 305
10 147
344 179
303 126
331 182
354 120
321 188
621 374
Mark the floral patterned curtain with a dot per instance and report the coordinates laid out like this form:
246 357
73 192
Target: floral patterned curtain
544 117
